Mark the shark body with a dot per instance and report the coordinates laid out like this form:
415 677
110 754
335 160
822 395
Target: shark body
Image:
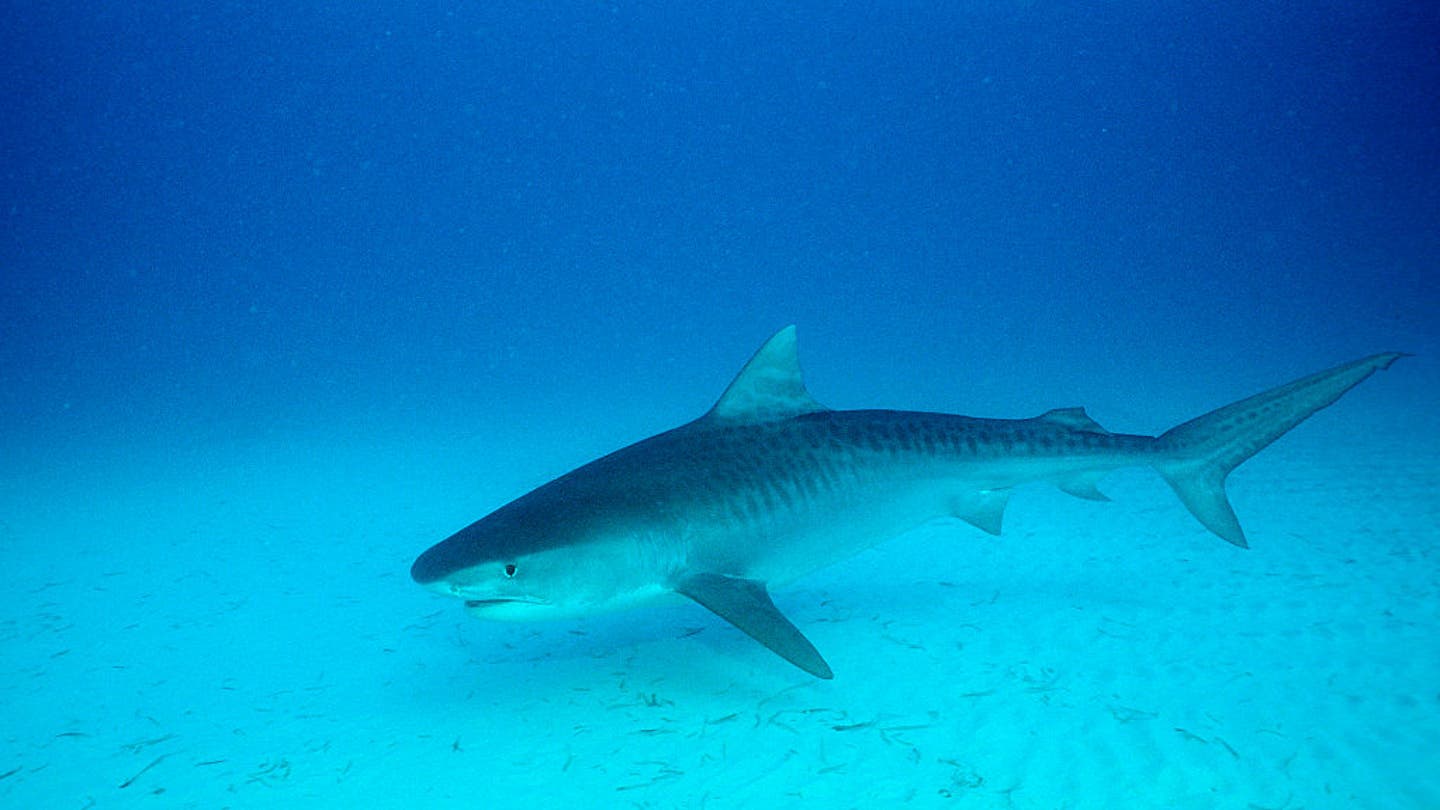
769 486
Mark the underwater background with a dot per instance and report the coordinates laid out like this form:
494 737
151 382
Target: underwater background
290 292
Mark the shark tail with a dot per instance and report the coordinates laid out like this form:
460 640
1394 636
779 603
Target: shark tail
1196 457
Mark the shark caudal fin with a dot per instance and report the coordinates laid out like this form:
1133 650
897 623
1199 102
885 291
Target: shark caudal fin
1196 457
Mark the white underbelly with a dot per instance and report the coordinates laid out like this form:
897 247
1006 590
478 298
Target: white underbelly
790 543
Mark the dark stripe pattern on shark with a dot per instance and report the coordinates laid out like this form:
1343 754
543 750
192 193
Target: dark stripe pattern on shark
769 486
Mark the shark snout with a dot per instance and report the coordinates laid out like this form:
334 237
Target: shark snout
433 567
441 570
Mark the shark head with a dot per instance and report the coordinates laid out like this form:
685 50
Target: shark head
648 521
553 553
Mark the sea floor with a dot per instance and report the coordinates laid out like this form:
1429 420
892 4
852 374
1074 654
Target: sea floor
235 627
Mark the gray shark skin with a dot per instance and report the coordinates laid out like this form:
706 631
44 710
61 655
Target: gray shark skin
769 486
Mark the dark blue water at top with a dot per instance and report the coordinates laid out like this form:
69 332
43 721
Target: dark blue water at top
218 212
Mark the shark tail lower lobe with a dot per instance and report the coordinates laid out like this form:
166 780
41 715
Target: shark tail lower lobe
1196 457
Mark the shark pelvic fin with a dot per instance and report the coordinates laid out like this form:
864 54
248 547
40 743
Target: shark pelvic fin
768 388
984 509
746 604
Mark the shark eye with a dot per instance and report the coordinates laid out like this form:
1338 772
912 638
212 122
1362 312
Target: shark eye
509 570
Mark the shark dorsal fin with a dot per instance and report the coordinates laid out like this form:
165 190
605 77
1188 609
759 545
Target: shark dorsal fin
768 388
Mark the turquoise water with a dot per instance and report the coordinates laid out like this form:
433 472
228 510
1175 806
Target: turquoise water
290 294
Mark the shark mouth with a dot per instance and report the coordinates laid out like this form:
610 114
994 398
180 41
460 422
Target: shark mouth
481 603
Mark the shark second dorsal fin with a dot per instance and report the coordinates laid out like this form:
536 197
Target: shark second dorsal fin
1073 418
768 388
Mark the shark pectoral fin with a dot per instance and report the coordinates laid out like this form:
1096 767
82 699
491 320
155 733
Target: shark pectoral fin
746 604
984 509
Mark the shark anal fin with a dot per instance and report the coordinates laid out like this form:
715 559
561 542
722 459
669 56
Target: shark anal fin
1083 486
746 604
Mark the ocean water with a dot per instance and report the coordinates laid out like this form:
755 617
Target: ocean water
289 293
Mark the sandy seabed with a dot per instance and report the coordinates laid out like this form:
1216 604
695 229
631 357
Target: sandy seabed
236 628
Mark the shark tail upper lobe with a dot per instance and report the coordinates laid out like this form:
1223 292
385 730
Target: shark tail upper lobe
1196 457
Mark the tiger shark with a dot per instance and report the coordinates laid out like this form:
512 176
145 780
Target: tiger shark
769 486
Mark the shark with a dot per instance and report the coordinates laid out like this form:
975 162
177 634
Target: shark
769 486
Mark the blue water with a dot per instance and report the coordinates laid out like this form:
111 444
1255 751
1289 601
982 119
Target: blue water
290 293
